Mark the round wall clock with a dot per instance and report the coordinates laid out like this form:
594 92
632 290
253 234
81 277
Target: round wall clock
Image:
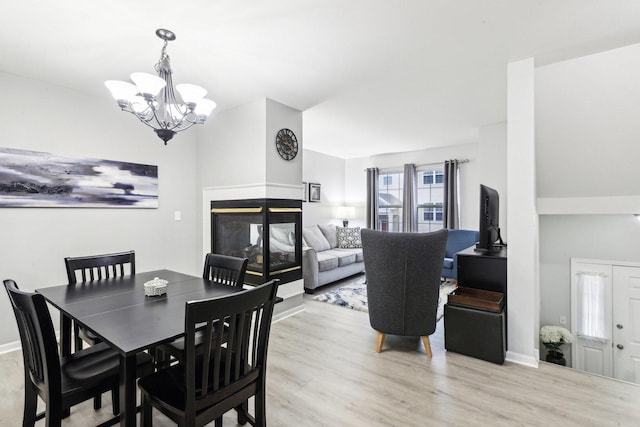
287 144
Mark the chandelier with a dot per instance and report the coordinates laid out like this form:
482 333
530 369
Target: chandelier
152 99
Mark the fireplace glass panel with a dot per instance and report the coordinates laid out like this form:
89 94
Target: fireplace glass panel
282 246
241 236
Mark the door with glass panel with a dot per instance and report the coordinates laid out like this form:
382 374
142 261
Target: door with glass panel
605 307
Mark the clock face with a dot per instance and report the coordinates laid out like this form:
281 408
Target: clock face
286 144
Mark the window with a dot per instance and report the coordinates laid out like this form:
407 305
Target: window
430 201
432 177
432 213
390 201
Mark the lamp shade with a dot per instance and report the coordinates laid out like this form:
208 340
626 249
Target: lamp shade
204 107
121 90
191 94
345 212
148 84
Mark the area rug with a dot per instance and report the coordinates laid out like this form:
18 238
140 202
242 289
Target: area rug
355 297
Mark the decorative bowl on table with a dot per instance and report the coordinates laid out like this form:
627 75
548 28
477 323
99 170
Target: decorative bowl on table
155 287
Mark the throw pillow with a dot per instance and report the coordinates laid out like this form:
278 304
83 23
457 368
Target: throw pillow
349 237
329 232
314 238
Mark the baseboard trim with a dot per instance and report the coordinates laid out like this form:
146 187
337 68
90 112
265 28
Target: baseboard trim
287 313
10 346
522 359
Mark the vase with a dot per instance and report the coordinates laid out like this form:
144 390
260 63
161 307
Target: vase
557 358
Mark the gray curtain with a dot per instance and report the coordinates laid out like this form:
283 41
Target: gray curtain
409 199
451 217
372 198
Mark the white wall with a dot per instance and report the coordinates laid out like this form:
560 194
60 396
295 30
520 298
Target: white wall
280 171
329 172
587 133
492 171
42 117
587 127
522 260
237 147
238 133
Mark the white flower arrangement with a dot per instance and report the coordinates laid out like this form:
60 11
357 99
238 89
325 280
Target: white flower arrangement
553 337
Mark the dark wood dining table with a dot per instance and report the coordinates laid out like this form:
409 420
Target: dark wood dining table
119 313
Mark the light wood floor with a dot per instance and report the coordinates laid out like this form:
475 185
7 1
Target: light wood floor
324 371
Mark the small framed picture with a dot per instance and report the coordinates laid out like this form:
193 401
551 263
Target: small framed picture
314 192
305 191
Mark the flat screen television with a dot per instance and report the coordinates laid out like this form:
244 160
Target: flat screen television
489 225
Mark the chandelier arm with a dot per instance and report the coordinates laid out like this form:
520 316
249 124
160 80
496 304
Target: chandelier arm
147 122
185 127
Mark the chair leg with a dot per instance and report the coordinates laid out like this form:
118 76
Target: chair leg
219 421
53 411
115 400
145 415
381 337
427 345
243 410
30 404
97 402
77 345
260 407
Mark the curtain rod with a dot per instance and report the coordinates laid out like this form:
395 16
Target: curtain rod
419 166
441 163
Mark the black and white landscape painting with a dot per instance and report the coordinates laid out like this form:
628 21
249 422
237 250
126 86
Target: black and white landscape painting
35 179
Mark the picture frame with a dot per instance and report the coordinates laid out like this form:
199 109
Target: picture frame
314 192
305 191
34 179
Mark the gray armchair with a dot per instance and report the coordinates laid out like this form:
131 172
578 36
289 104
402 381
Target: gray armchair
403 282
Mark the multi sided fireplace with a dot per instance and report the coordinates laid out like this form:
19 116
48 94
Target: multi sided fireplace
266 231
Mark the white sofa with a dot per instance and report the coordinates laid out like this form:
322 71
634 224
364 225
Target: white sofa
330 253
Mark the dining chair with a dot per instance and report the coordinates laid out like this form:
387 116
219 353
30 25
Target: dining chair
90 268
96 267
403 282
224 269
217 376
61 382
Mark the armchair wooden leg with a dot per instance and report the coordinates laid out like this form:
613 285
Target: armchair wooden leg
380 341
427 345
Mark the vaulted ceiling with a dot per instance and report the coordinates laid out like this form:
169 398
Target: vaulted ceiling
371 76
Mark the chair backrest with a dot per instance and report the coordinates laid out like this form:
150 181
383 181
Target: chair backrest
225 269
403 280
96 267
39 347
231 359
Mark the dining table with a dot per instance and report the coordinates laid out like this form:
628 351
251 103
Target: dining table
117 310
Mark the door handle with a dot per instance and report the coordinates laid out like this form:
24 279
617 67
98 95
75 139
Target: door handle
620 346
619 326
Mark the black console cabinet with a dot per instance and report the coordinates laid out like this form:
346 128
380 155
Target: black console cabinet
486 271
476 332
